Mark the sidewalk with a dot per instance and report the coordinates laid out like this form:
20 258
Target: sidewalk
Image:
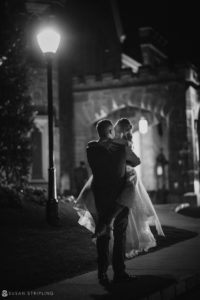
164 274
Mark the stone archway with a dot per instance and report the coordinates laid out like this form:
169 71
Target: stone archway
133 113
113 99
131 102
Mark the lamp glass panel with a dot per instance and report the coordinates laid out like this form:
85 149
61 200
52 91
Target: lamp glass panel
48 40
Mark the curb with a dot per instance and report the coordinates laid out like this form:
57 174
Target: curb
180 288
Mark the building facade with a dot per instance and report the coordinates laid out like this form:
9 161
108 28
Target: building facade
97 80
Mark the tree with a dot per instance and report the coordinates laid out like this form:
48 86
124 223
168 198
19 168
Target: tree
16 113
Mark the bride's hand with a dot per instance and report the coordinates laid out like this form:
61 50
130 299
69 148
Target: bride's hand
130 144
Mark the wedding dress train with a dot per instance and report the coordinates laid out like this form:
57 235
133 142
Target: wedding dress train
142 215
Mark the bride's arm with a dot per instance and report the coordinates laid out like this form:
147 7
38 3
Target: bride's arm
131 158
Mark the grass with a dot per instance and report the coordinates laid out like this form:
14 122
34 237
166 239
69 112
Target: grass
33 254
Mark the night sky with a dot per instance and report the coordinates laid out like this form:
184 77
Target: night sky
177 21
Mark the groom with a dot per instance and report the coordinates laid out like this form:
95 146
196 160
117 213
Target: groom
107 160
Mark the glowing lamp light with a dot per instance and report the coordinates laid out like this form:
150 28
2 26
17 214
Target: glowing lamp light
143 125
48 40
159 170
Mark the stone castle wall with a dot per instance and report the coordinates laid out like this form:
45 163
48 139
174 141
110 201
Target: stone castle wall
112 99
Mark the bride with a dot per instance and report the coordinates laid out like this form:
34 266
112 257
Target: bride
142 214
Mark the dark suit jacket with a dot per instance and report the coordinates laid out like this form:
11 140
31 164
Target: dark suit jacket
107 161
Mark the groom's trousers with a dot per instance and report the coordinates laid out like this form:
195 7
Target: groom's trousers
119 243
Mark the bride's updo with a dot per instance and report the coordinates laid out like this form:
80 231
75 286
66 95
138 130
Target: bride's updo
123 129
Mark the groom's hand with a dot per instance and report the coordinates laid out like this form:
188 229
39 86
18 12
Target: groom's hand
114 145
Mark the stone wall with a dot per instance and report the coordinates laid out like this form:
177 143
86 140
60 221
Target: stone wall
169 104
192 116
159 95
114 102
150 145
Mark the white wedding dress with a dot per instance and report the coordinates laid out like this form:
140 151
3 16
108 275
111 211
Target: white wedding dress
141 216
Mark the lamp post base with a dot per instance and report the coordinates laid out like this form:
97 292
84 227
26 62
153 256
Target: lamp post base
52 203
52 212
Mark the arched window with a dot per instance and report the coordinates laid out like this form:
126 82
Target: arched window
37 154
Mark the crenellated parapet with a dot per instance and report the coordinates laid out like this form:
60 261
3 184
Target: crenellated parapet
103 81
39 7
145 75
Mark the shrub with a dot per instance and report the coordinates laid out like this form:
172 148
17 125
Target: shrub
10 196
35 194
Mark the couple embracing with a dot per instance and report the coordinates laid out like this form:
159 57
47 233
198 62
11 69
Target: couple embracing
114 204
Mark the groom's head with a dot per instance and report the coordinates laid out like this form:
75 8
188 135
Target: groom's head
105 129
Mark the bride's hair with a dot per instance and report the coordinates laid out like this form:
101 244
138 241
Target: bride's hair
123 128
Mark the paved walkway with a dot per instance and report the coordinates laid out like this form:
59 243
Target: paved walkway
164 274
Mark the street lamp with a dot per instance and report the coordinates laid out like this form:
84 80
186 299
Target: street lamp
48 40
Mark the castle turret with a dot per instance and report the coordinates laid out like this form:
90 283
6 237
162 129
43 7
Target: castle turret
153 47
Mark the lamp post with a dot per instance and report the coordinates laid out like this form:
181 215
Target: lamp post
48 40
